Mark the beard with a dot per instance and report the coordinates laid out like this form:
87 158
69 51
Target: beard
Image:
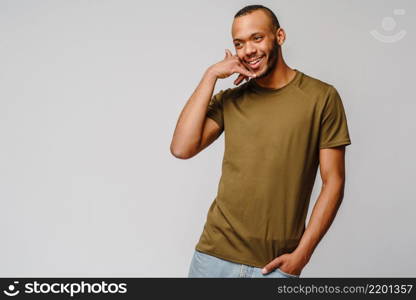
272 61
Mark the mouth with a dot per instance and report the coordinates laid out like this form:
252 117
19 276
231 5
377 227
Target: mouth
254 64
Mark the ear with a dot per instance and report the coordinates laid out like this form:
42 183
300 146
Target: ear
280 36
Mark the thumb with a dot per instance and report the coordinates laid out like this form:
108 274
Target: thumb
271 266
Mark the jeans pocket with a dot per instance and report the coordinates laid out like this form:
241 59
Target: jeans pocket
287 274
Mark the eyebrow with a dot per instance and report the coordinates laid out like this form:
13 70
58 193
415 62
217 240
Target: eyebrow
250 36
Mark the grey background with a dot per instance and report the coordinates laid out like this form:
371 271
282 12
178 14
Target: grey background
90 95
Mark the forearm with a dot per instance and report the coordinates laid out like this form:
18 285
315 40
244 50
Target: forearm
190 123
322 215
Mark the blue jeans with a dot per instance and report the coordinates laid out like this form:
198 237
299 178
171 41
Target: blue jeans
204 265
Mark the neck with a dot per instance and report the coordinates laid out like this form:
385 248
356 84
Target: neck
279 77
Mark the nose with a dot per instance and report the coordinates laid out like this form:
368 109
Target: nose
250 50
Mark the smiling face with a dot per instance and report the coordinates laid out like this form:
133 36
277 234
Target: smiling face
255 42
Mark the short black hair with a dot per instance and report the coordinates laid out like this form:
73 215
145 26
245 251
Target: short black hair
250 8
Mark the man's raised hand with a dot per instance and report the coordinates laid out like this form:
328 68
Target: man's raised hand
229 65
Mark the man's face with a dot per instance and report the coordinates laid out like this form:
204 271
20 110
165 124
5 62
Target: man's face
255 42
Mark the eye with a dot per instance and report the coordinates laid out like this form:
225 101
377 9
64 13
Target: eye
257 37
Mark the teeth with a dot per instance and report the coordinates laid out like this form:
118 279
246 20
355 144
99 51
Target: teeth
254 61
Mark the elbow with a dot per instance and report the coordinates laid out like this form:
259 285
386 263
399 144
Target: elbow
178 153
335 185
337 180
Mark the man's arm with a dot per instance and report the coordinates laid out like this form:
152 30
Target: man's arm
332 169
194 130
192 127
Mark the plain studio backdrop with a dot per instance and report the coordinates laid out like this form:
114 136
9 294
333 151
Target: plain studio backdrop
90 95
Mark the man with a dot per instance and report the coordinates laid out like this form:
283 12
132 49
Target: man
279 126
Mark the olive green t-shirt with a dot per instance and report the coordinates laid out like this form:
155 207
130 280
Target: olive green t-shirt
272 139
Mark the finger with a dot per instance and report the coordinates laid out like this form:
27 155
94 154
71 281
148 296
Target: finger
245 72
239 79
241 65
240 61
271 266
228 52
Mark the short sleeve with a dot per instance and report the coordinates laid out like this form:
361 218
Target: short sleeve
333 127
215 109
